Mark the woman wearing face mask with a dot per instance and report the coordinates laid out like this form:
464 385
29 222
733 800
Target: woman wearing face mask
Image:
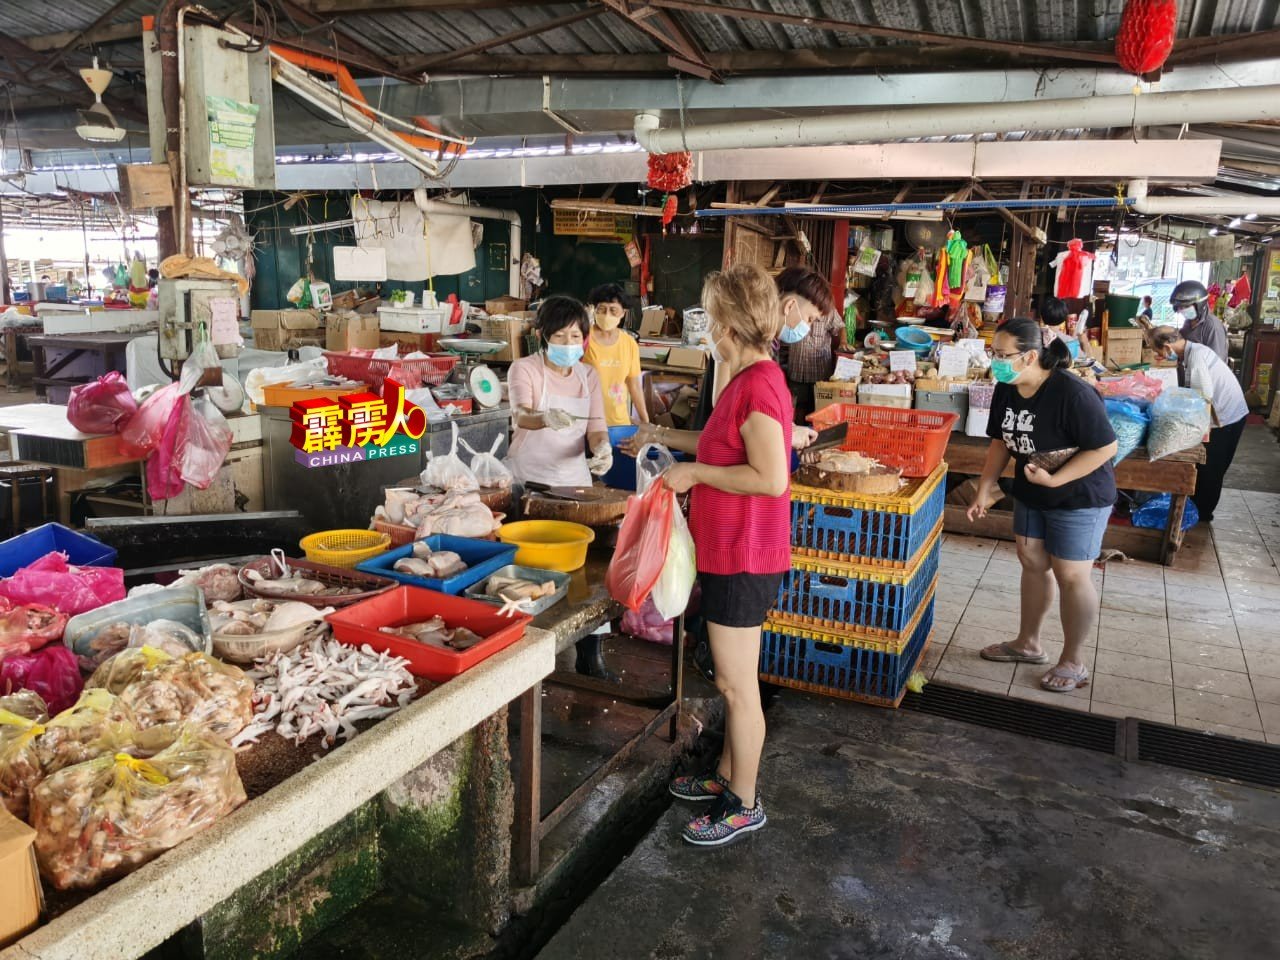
557 403
1203 371
615 357
811 333
739 515
1061 514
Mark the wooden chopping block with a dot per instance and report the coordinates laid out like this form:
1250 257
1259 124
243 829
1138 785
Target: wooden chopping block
592 506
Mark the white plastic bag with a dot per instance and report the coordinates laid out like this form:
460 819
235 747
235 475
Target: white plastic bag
448 472
649 468
490 472
675 583
297 374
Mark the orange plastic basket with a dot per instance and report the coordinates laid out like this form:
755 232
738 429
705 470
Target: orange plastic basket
913 441
411 374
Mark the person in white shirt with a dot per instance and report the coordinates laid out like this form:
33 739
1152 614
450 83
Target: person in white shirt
1204 371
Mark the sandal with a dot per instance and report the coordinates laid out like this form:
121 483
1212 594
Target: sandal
1078 677
1008 653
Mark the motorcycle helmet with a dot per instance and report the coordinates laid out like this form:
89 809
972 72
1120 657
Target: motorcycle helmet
1187 294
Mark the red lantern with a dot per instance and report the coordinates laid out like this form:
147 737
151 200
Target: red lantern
669 209
670 172
1147 31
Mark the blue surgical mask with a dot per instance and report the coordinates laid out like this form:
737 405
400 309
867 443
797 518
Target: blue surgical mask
1003 371
794 334
564 354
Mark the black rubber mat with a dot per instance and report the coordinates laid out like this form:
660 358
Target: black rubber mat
1246 760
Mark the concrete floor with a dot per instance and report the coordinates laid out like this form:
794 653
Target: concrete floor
1257 461
903 836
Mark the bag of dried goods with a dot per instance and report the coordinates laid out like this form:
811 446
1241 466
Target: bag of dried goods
77 735
196 689
1130 423
53 672
1179 420
104 818
19 763
125 667
26 703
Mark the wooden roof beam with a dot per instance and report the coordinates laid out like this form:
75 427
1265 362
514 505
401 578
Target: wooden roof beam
685 54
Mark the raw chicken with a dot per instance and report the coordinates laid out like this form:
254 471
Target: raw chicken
518 588
79 733
219 581
458 515
413 566
294 584
196 688
107 642
438 565
19 764
174 638
27 704
435 632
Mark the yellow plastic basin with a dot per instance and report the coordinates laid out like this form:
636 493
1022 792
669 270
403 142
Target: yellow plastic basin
548 544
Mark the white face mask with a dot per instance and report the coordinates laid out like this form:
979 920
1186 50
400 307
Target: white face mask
716 355
1189 312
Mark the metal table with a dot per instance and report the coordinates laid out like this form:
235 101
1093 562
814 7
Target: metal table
53 354
587 607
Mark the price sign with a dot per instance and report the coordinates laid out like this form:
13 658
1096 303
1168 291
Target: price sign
900 360
847 368
953 361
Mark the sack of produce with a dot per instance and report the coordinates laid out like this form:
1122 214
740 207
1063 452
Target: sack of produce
491 473
102 406
52 672
1130 423
28 627
642 546
124 668
1179 420
195 689
102 819
55 583
76 735
19 763
1154 514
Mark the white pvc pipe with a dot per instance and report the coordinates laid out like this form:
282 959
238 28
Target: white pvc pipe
1151 109
1236 205
484 213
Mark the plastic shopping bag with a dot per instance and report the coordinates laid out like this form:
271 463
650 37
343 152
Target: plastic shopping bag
102 406
1130 423
163 479
491 473
204 445
20 768
642 546
1136 386
652 461
28 627
55 583
53 672
1154 514
448 472
675 583
1179 420
145 429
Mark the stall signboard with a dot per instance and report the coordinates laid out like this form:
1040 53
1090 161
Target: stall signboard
356 427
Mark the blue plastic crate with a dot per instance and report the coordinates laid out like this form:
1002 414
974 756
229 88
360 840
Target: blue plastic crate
482 557
853 668
81 549
828 595
887 531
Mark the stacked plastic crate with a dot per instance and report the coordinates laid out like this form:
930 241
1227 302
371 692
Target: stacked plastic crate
854 615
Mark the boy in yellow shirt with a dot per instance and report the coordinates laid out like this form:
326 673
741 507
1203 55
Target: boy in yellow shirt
615 356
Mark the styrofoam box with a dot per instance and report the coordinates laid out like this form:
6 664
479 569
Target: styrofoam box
886 394
976 423
83 320
413 320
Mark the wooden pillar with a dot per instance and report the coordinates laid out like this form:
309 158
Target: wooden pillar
730 226
839 262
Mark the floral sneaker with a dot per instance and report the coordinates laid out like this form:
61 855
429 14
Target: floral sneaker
698 788
725 821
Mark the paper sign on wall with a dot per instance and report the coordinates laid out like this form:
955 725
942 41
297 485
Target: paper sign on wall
847 368
900 360
224 321
359 263
953 361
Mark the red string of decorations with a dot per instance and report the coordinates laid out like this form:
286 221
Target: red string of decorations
1147 31
670 172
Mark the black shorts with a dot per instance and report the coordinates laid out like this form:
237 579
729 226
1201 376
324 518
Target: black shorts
739 599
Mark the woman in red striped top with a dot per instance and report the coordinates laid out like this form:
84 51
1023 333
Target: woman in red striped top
739 516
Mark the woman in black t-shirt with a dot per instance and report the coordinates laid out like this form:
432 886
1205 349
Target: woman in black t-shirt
1055 428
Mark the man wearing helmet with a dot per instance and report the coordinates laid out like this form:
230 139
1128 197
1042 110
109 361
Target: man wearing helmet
1190 301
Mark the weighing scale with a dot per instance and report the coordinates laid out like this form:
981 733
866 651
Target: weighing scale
483 382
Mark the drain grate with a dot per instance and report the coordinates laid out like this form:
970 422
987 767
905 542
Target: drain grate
1217 756
1037 720
1235 759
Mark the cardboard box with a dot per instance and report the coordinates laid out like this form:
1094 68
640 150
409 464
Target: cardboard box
653 321
286 329
657 350
351 331
144 186
509 330
20 895
695 358
827 392
505 305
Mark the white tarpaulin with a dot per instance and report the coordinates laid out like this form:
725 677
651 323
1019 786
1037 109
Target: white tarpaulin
445 250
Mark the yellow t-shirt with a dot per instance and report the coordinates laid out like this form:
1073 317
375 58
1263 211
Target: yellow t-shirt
614 364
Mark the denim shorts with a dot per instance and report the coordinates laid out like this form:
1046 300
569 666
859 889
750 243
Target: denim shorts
1067 534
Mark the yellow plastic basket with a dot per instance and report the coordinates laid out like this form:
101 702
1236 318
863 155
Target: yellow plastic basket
344 548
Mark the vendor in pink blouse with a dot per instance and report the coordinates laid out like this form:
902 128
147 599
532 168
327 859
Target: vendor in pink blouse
739 515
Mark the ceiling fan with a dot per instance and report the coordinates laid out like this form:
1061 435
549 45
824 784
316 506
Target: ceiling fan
97 125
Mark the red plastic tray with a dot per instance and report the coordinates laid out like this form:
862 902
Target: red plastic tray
410 374
359 624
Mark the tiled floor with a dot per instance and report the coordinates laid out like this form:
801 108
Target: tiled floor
1194 644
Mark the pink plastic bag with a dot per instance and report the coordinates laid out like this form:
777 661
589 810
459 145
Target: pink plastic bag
55 583
29 627
145 429
52 672
204 444
102 406
163 479
1132 386
647 624
642 546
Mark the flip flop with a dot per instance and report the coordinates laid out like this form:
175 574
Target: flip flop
1008 653
1079 677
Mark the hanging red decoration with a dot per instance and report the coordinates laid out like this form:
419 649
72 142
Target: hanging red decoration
669 209
1147 31
670 172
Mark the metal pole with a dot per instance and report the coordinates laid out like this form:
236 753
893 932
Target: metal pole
84 233
4 263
